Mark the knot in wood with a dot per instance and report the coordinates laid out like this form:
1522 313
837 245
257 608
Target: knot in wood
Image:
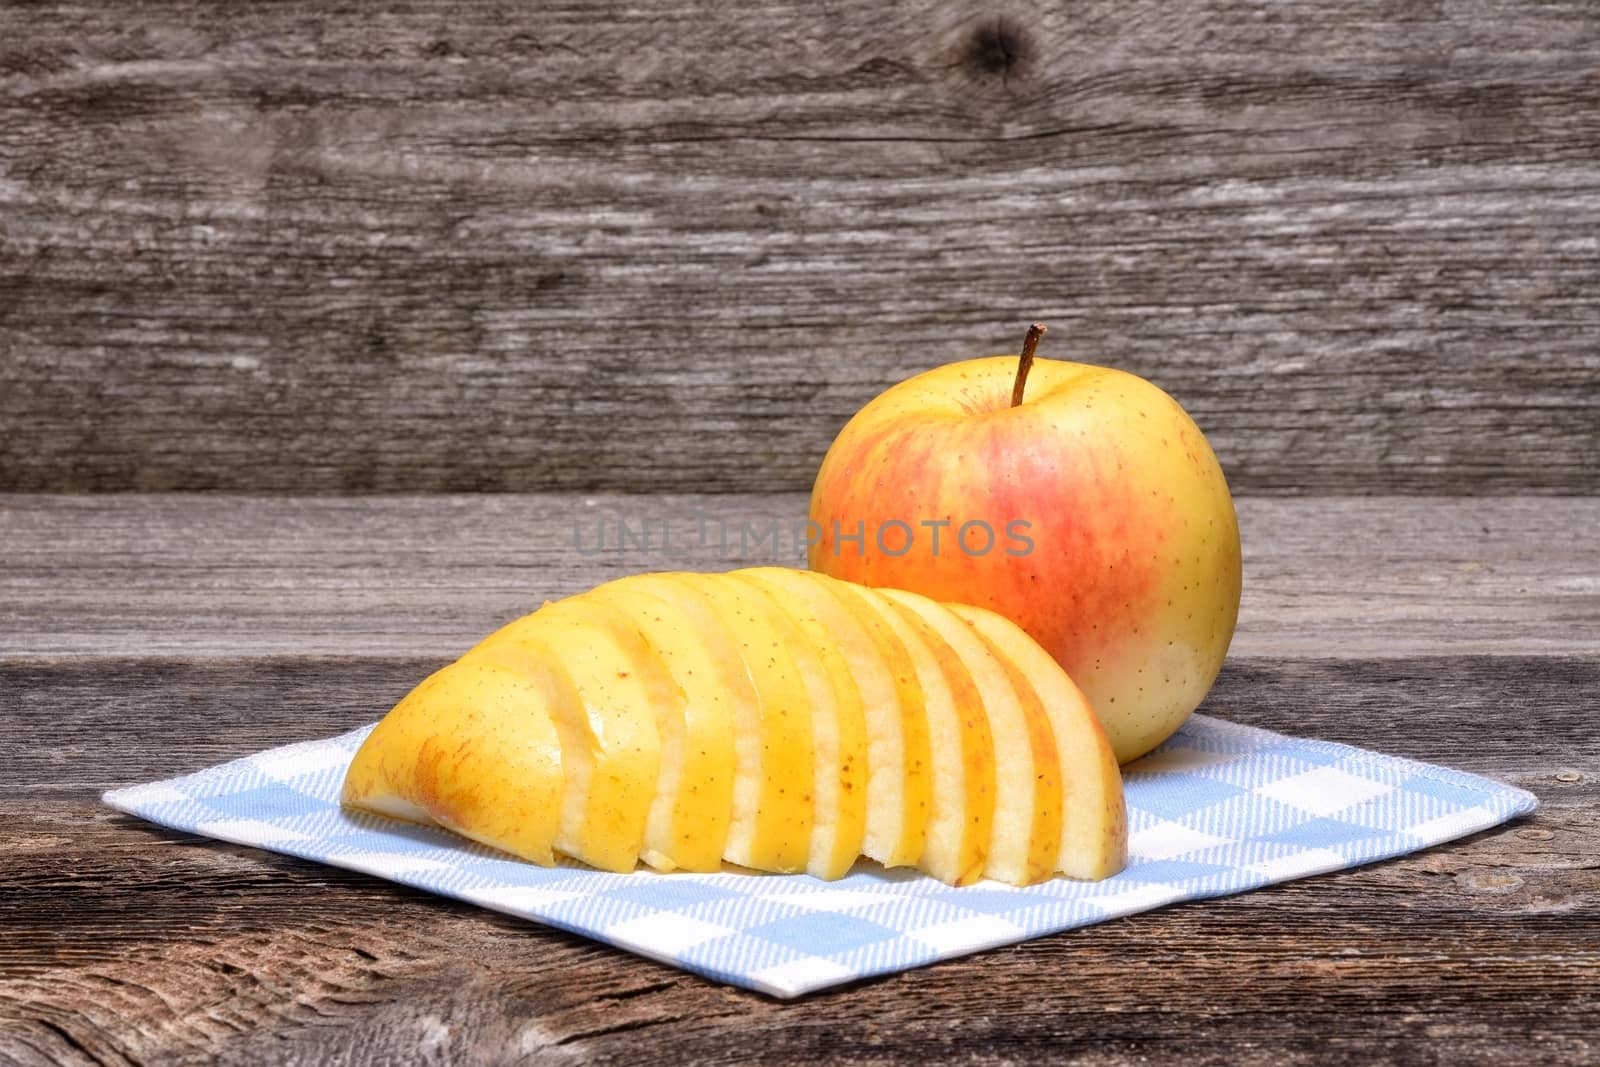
998 47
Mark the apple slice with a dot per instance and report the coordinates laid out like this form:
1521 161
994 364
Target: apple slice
960 748
1049 792
472 749
791 685
610 743
1026 833
1094 832
899 765
697 759
839 728
664 700
770 824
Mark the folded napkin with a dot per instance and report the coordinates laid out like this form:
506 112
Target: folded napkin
1218 809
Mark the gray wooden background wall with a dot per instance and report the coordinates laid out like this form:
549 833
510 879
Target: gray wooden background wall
294 246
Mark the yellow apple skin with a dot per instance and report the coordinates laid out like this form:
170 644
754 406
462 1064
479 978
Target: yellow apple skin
961 748
839 725
1026 833
775 769
472 748
610 742
1127 569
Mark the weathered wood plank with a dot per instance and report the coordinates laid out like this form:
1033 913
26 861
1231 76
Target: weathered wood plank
277 247
76 724
1470 952
200 575
127 943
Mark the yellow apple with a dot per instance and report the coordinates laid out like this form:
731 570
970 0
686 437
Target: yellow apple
774 762
899 774
1080 502
472 749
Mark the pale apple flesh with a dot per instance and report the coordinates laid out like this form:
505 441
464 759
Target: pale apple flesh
647 677
899 767
815 742
770 821
778 720
1043 839
1111 536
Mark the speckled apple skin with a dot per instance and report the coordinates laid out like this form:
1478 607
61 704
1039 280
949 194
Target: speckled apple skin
1130 570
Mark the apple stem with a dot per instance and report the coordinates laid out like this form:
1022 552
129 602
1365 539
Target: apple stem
1025 364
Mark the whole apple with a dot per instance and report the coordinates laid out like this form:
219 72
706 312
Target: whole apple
1081 502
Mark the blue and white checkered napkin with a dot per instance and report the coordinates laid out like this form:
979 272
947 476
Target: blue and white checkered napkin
1218 809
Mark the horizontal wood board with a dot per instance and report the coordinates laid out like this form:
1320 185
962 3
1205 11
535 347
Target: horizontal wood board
288 247
208 576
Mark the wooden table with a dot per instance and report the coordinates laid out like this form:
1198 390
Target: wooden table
152 635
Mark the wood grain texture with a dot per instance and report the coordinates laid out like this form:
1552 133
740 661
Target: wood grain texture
202 575
126 943
284 247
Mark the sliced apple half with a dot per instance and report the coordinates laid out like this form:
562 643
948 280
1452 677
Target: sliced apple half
697 760
775 719
610 743
961 750
1094 833
839 729
1026 831
472 749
